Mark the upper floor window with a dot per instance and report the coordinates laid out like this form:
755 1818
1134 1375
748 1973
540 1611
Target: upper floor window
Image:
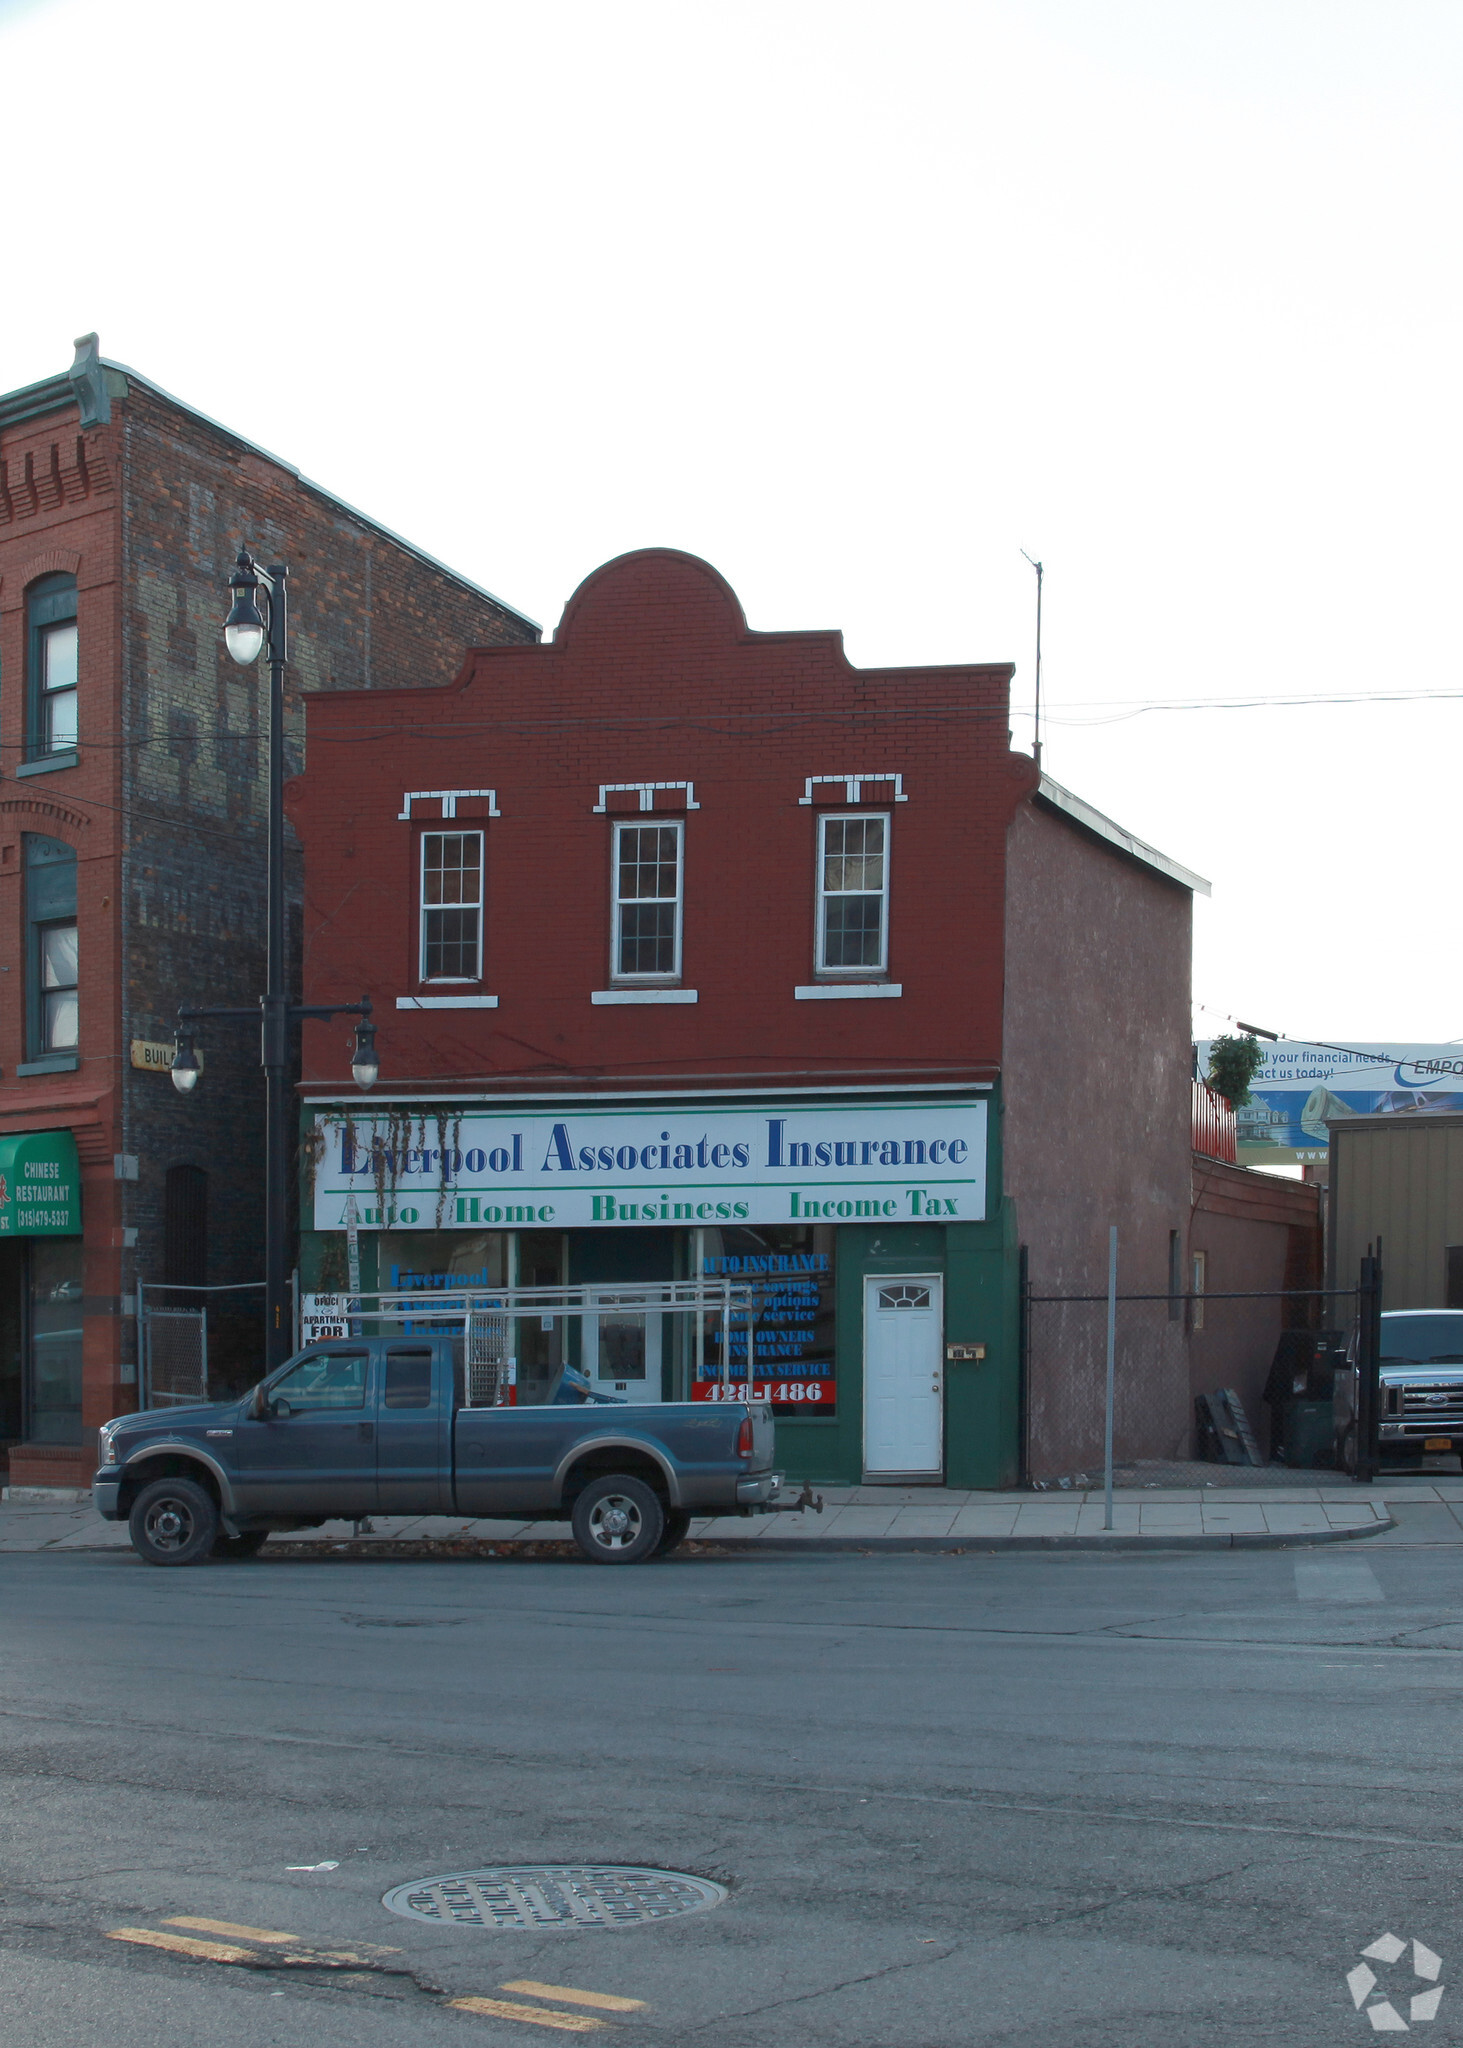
452 906
646 940
853 893
51 725
52 1017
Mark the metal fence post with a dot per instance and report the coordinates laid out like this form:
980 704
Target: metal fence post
1368 1366
1112 1346
1023 1367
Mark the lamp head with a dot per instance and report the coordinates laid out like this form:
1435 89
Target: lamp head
244 627
365 1066
185 1064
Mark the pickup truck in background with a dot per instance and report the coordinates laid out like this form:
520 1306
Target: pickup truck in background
1420 1389
379 1425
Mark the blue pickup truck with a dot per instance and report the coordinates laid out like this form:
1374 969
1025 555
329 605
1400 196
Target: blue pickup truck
364 1426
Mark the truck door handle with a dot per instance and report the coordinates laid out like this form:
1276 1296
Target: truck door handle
365 1431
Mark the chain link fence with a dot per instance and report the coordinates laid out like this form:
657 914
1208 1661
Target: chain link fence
1168 1349
199 1343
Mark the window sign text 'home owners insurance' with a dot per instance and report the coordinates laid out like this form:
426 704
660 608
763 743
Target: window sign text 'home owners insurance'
588 1168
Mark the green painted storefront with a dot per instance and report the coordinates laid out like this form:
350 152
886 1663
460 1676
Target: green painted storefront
975 1261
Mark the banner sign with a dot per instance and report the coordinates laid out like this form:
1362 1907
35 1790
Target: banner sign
588 1168
1302 1089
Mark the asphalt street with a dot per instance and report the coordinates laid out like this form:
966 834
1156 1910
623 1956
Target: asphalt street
1069 1799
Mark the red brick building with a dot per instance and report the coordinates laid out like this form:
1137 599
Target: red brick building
698 950
132 851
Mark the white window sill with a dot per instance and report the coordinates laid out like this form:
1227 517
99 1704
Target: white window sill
446 1002
846 991
645 995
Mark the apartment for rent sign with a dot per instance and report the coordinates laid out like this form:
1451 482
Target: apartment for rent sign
591 1168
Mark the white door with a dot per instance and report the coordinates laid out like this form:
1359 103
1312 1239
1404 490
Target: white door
904 1377
627 1348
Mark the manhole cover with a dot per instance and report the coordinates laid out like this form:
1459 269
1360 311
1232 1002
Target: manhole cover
554 1895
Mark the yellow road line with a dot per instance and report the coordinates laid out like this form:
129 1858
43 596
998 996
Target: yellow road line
604 2000
182 1945
227 1927
337 1955
535 2015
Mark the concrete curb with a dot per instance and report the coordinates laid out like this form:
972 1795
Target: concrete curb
822 1546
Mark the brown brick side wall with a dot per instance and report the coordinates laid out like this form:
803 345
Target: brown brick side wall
166 806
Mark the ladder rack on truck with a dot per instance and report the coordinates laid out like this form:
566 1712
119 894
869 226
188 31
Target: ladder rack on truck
487 1318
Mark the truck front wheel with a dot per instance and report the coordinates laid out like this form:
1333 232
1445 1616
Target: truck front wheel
618 1520
173 1521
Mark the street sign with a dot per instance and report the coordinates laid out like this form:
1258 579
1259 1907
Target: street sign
156 1056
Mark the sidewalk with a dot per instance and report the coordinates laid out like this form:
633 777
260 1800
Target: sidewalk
886 1518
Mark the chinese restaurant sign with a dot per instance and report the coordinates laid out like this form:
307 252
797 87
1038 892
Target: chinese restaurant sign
40 1185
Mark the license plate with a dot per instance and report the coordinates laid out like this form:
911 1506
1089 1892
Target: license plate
1437 1443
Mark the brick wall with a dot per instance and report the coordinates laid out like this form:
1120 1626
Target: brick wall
653 675
365 613
1096 1087
166 804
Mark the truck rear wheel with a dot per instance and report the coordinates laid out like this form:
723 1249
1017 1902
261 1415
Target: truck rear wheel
173 1521
249 1544
677 1522
618 1520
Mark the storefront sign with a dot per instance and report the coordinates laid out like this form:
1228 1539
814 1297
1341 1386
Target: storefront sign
40 1185
586 1168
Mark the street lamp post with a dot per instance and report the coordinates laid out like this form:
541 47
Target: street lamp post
246 632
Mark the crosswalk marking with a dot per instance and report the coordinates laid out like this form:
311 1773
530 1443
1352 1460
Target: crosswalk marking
605 2001
1345 1580
182 1945
227 1927
536 2015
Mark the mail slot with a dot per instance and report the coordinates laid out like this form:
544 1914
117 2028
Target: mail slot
954 1353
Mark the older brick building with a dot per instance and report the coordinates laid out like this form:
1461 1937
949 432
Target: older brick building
698 950
132 850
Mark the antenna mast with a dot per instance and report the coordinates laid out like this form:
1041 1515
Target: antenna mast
1036 718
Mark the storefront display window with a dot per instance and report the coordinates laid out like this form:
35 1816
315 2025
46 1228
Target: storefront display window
421 1264
55 1341
12 1290
791 1269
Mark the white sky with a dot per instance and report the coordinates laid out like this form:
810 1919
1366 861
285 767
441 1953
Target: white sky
857 301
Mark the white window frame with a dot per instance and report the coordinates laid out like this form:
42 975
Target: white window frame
661 979
423 908
52 697
865 971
